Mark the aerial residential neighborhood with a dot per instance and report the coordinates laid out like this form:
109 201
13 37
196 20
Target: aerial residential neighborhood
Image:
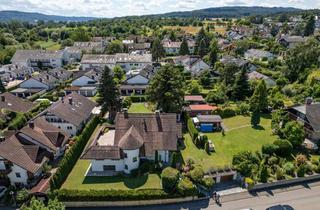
215 108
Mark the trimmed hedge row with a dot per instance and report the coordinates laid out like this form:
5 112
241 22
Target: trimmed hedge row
72 156
112 195
192 129
138 98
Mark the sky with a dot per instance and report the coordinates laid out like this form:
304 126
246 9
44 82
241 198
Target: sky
116 8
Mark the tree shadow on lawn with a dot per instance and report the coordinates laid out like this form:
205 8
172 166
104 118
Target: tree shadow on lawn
258 127
129 182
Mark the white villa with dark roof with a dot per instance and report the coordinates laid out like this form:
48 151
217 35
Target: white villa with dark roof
70 113
135 137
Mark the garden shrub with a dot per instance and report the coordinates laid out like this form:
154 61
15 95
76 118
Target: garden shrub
208 182
196 174
18 122
244 108
169 178
301 170
207 147
186 188
289 168
264 174
137 98
22 195
72 156
301 159
285 148
201 141
269 149
273 160
112 195
225 112
127 102
192 129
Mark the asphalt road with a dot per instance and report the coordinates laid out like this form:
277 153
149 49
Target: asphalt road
300 199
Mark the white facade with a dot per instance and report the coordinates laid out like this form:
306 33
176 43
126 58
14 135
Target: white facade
99 165
137 79
131 160
33 83
67 127
18 175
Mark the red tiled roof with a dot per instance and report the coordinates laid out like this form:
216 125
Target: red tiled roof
202 107
193 98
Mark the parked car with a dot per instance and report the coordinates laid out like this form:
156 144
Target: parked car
280 207
211 146
2 191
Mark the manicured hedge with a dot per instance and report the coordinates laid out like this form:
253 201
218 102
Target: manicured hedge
112 195
138 98
71 157
18 122
192 129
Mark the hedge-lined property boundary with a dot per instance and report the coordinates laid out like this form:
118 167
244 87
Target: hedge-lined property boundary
192 129
72 156
112 195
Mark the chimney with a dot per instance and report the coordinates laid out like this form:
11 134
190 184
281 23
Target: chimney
47 77
3 98
40 79
70 100
125 113
157 113
31 124
309 100
56 74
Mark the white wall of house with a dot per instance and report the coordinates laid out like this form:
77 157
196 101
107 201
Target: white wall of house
82 81
131 161
97 165
66 127
137 79
32 83
172 50
18 175
163 155
87 66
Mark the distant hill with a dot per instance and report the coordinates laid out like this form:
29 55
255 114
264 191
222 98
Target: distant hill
33 17
236 11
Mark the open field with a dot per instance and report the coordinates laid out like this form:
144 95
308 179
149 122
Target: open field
241 136
77 180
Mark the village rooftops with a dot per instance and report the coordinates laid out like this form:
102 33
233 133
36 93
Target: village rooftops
23 55
202 107
13 103
228 59
28 157
73 108
44 133
117 58
312 113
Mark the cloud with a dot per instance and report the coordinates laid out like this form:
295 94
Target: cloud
112 8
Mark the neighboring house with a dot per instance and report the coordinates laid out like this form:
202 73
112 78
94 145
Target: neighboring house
87 91
308 115
70 113
208 123
137 81
291 41
254 75
48 137
20 165
61 74
136 136
90 47
125 60
89 78
193 64
12 72
39 58
173 48
72 54
240 63
13 103
43 80
140 47
255 54
200 109
194 99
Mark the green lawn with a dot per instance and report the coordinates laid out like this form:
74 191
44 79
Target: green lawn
49 45
139 108
77 180
241 137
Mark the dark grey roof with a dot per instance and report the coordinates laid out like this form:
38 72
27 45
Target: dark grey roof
209 118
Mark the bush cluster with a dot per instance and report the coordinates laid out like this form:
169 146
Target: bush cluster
192 129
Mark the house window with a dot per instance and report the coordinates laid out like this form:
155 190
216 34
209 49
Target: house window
69 127
18 175
126 167
135 159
